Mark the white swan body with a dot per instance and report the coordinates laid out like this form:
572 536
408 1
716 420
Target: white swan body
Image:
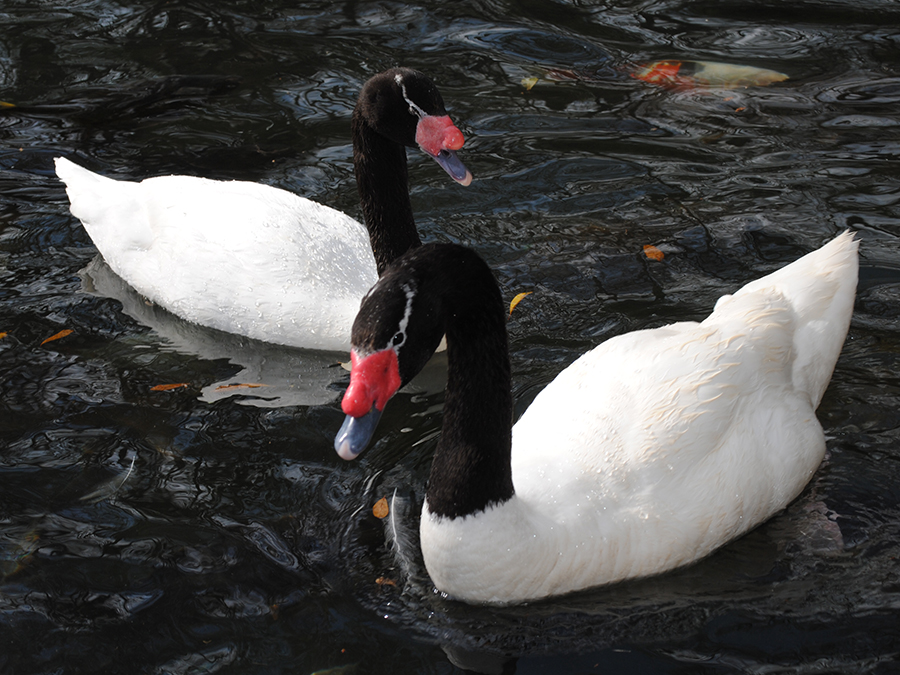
261 262
233 255
658 446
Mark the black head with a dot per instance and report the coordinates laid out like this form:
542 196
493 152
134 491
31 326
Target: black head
429 291
403 312
394 101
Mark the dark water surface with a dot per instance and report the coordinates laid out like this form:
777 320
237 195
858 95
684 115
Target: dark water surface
203 530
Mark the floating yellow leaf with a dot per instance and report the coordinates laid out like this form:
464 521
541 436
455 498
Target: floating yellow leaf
516 300
240 385
381 509
3 335
60 334
384 581
653 253
4 104
529 82
169 387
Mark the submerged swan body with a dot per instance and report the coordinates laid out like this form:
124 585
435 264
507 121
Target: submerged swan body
254 260
647 453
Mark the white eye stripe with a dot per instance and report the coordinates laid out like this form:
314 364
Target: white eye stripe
413 108
409 289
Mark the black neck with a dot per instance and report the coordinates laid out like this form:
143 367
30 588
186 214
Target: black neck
382 181
471 468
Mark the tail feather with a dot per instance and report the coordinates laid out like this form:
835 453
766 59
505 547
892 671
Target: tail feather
821 287
110 210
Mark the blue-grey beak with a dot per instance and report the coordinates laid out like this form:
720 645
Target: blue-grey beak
453 166
355 434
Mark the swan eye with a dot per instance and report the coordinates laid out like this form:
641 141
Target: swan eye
397 339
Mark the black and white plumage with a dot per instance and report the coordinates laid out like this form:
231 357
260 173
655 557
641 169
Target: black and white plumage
254 260
647 453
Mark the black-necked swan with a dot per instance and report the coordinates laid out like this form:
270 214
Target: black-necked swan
254 260
647 453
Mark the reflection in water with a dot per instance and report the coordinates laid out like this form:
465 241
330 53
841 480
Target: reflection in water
270 375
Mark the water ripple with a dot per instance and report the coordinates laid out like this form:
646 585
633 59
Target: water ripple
228 536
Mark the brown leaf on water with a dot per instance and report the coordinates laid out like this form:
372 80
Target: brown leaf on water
169 387
240 385
516 300
3 335
653 253
562 75
384 581
381 509
60 334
